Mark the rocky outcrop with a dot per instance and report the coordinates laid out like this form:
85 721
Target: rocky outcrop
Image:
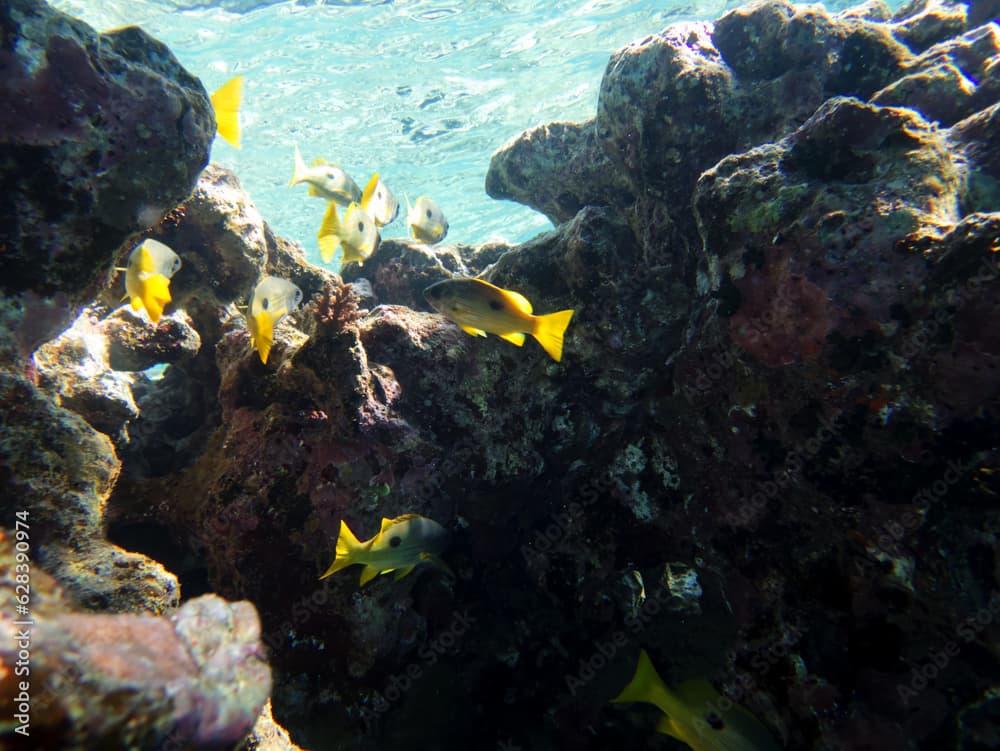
102 135
768 455
130 681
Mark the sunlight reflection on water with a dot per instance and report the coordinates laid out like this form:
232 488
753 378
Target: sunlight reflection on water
423 91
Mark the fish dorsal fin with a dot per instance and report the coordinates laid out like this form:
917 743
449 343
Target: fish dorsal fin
366 197
519 300
389 523
318 162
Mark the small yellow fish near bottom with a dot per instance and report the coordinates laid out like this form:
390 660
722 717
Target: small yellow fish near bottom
400 545
696 714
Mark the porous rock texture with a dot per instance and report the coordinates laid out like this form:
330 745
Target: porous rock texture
126 681
768 455
87 120
100 136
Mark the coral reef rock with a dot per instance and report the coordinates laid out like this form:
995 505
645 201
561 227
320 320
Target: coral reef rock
768 456
102 135
136 681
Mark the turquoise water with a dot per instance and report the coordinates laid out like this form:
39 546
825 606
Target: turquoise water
421 90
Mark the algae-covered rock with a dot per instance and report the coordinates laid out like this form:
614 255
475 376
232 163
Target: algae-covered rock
102 135
196 679
768 455
76 366
61 471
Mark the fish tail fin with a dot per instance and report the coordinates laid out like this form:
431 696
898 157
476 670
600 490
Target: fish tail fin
155 294
329 233
549 330
226 102
645 686
264 334
300 170
348 547
369 191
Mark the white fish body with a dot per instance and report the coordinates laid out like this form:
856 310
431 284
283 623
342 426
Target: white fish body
426 220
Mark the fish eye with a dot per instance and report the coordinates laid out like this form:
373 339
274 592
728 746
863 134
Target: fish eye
361 226
264 303
496 305
298 296
714 721
429 213
395 541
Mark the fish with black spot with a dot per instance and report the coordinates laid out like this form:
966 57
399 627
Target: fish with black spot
147 277
696 714
401 545
272 299
325 180
355 233
426 220
479 308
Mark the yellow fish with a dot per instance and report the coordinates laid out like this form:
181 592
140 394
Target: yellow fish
272 300
479 308
325 180
426 220
147 277
226 103
379 202
400 545
356 233
695 713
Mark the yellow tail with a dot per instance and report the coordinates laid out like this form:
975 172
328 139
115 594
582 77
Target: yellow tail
369 191
226 102
155 294
300 170
329 233
645 686
348 547
262 334
549 330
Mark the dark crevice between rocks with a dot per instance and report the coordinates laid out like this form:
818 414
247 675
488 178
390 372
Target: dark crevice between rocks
177 414
157 542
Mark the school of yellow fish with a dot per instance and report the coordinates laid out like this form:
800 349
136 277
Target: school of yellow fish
692 713
478 307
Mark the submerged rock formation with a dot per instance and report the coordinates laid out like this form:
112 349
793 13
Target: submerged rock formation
102 134
128 681
769 455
